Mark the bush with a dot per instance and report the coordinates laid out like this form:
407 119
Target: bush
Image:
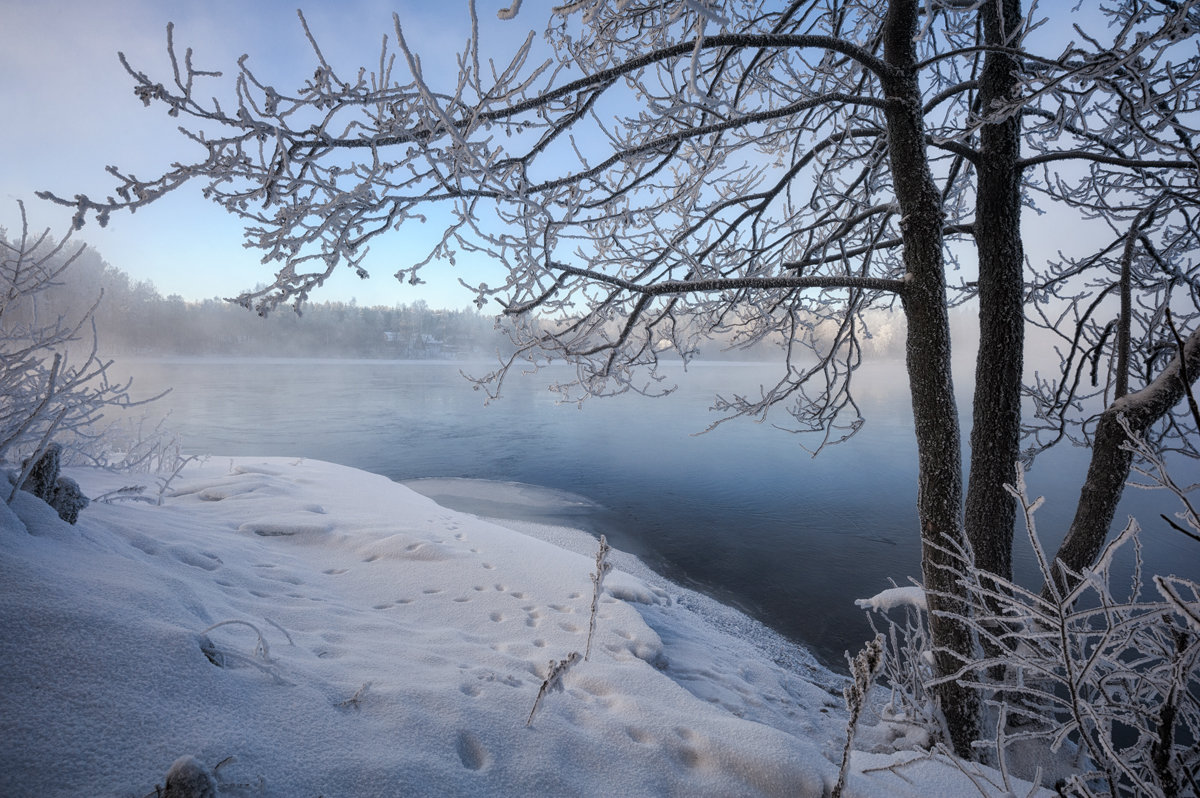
1108 682
53 382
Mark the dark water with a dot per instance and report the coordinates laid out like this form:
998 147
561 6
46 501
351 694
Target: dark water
742 513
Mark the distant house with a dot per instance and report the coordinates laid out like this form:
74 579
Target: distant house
419 346
428 345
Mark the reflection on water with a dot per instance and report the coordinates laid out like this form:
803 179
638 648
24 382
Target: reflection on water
742 513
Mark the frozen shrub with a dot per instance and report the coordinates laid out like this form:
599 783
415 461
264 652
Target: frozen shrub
54 384
1103 684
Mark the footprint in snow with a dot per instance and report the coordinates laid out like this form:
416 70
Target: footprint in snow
471 751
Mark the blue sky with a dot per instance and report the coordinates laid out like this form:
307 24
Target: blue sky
70 111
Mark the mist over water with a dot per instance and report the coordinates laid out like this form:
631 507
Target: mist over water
742 513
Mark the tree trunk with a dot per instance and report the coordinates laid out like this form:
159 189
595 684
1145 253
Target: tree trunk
1109 467
996 419
927 349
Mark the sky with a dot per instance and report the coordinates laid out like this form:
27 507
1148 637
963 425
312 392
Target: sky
70 111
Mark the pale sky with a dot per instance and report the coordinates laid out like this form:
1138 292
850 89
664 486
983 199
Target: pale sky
69 111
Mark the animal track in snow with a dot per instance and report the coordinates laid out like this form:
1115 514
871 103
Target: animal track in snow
638 735
284 529
471 751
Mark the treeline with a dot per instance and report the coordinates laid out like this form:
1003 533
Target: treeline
133 318
326 329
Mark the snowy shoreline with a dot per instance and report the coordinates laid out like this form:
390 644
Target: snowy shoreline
338 634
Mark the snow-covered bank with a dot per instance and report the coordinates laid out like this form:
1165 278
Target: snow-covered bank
381 645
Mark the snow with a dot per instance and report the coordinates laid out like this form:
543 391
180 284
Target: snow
296 628
910 596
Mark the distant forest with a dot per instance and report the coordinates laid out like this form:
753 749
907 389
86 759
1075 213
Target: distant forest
132 318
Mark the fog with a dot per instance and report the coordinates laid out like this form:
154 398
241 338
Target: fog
133 318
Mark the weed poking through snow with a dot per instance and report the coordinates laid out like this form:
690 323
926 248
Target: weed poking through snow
864 667
261 648
603 566
355 701
553 680
557 668
224 658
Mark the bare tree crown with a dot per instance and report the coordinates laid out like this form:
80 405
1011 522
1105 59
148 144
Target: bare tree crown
655 172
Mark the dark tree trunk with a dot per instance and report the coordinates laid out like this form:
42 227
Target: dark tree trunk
935 417
996 416
1109 467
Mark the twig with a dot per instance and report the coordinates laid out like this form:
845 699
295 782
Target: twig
553 680
603 566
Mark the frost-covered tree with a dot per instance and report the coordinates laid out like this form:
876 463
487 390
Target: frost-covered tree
52 380
659 171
